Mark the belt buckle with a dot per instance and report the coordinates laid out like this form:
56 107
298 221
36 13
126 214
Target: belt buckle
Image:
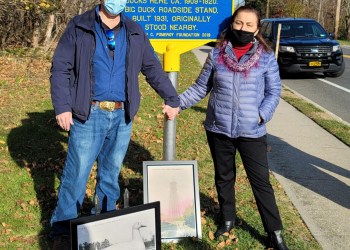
108 106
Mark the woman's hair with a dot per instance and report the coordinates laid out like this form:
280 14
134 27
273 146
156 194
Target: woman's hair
224 36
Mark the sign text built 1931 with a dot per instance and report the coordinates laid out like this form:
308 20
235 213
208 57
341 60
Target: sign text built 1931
180 19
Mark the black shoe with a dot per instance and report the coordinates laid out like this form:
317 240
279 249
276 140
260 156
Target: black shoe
61 243
275 240
225 227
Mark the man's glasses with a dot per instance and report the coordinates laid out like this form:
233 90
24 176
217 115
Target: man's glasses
110 39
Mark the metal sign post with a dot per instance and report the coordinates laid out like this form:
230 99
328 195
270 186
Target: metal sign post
175 27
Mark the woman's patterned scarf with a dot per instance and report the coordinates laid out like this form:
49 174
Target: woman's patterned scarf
235 66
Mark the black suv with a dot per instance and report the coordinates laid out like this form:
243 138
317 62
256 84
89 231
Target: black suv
304 46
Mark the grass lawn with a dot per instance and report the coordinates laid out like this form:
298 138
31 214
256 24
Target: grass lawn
344 42
32 153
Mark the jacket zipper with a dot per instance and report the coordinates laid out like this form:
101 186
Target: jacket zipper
126 71
91 70
235 105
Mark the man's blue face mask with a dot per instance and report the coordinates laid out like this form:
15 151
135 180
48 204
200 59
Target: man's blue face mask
114 7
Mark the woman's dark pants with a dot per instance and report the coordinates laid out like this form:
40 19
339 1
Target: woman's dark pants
254 156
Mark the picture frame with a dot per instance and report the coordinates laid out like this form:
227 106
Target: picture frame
136 227
175 185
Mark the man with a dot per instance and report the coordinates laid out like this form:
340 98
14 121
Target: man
95 94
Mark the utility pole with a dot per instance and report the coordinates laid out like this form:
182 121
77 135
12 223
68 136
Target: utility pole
319 12
337 16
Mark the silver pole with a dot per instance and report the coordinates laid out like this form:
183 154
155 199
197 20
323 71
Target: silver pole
170 129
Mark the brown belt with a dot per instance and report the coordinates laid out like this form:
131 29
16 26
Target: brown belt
109 106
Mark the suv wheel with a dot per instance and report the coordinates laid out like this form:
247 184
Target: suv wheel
339 73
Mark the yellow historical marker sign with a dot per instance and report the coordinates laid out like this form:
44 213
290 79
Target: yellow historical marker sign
177 26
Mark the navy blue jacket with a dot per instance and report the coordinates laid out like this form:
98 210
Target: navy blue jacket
72 77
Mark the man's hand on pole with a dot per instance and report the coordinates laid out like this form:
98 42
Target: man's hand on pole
170 112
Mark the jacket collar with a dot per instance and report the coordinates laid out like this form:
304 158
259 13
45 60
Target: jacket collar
86 20
229 49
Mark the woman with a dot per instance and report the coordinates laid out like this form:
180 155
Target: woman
242 77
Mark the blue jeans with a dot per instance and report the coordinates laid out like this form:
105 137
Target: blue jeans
103 137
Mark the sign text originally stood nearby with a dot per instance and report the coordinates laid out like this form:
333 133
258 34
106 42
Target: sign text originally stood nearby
180 19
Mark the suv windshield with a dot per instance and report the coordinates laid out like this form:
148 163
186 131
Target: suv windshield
301 29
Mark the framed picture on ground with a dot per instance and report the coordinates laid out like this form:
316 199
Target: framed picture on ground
175 185
135 227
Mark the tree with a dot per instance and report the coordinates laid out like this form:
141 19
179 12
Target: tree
258 4
267 9
319 11
37 23
346 21
294 8
337 16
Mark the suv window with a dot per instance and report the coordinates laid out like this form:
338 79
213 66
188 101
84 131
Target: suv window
268 30
301 29
263 27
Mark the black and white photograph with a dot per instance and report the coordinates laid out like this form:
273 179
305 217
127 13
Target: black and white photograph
134 228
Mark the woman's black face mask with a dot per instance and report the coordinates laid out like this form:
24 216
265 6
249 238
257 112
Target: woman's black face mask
241 37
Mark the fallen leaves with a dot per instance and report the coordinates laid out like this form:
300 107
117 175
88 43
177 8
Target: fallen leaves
23 205
89 192
229 239
6 230
226 239
211 235
23 239
33 202
221 245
